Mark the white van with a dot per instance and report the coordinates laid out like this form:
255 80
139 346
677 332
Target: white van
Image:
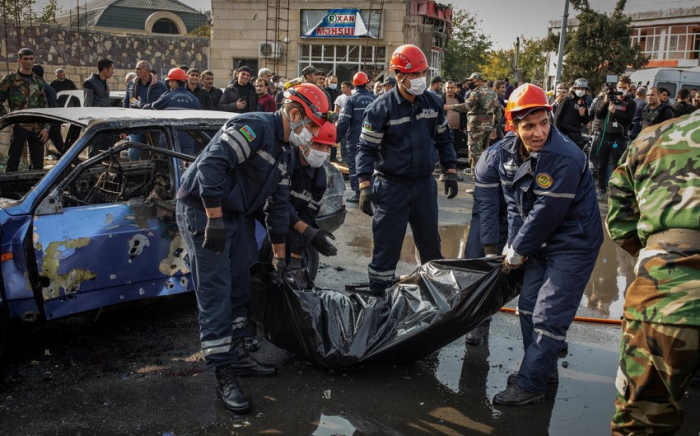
672 79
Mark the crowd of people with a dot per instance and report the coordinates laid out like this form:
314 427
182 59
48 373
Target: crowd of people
536 201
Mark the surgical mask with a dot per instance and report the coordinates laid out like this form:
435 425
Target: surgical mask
623 91
580 93
333 85
298 139
418 86
315 158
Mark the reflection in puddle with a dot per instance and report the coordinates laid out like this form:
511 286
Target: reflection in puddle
351 424
613 272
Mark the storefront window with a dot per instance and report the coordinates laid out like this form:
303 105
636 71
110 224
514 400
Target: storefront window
344 60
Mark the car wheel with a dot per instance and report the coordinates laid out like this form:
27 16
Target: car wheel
310 255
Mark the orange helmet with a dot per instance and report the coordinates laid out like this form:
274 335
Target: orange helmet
177 74
408 59
360 78
326 135
313 100
523 100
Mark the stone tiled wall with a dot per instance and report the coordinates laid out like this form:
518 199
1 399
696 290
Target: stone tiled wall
78 52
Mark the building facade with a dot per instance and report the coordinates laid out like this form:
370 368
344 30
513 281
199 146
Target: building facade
287 35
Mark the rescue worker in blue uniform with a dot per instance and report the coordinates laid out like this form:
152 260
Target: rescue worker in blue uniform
403 133
488 229
245 166
554 228
350 122
179 97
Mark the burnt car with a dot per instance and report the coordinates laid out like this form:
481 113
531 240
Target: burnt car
93 228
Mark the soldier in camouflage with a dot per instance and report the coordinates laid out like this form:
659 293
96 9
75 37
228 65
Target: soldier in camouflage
22 89
659 351
484 112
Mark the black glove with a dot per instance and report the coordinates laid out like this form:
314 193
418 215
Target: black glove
294 264
366 199
215 235
451 185
319 241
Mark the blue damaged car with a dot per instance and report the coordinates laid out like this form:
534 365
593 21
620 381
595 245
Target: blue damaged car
93 228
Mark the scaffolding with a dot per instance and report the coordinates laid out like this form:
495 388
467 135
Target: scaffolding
277 36
369 47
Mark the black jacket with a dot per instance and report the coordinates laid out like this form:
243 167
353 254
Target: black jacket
658 115
96 92
233 93
203 97
681 108
567 118
617 125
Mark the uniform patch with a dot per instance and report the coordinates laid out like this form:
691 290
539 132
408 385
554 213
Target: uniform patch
248 133
544 180
366 126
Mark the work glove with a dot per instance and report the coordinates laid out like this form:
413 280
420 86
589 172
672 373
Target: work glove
451 185
215 235
512 261
319 241
280 266
366 199
135 102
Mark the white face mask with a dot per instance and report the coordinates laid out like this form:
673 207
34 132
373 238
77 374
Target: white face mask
300 139
623 91
418 86
333 85
315 158
580 93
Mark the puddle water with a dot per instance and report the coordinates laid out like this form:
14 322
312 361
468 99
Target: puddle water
604 294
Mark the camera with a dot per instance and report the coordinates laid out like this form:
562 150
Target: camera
611 85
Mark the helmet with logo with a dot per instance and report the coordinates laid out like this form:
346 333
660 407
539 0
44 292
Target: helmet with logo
360 78
524 100
408 59
581 83
177 74
312 99
326 135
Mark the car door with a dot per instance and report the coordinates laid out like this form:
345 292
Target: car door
107 233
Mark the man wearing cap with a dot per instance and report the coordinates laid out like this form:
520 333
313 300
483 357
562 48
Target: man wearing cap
244 167
350 123
389 84
240 96
483 114
554 230
310 74
436 86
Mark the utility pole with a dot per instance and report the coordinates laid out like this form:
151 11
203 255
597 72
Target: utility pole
562 40
516 74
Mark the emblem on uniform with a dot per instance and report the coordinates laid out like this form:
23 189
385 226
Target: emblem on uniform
366 125
248 133
544 180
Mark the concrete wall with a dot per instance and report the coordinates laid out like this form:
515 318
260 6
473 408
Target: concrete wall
57 46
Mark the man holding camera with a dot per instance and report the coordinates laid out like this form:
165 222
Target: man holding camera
571 114
615 113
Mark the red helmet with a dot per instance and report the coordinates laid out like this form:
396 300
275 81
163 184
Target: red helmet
312 98
326 135
360 78
408 59
177 74
523 100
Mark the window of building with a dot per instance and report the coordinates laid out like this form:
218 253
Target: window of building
343 60
167 26
435 63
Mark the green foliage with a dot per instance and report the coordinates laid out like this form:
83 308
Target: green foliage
600 45
501 63
13 11
203 31
466 51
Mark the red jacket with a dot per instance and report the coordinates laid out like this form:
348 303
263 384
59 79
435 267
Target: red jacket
266 103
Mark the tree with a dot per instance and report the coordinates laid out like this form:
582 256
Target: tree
600 45
466 51
501 63
16 11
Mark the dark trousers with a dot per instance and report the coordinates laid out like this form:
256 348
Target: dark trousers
396 204
221 283
552 290
460 143
609 147
56 138
350 160
20 136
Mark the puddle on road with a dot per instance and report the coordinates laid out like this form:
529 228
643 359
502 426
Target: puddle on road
604 294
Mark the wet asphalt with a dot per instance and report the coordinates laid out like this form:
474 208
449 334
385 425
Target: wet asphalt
136 369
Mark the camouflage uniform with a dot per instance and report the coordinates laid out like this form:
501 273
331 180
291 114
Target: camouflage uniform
483 115
22 94
653 213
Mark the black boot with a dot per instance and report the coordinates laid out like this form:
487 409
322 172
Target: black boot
251 344
247 366
553 379
229 392
514 395
478 335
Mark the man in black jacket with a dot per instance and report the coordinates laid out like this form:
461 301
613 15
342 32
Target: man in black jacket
195 88
240 96
656 111
572 113
682 105
615 114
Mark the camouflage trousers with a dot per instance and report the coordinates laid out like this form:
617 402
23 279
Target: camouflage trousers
657 363
478 141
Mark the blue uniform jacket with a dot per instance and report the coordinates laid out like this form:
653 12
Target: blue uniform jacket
352 115
148 93
177 98
245 166
308 185
489 202
551 198
403 138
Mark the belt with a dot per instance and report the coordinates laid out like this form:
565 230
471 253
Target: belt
676 236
